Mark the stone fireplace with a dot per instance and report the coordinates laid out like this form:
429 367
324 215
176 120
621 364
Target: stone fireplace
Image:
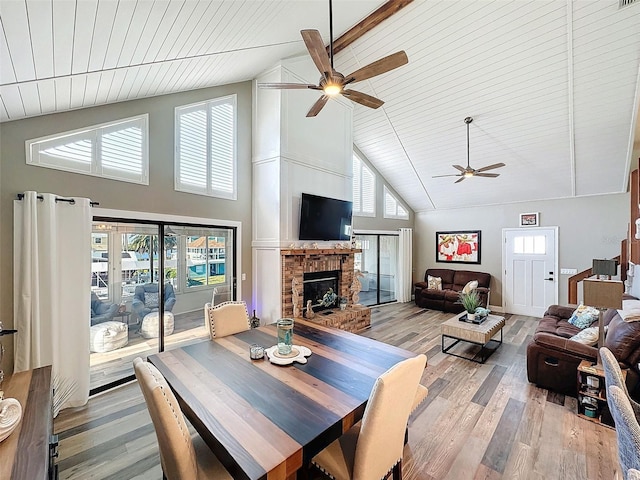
313 272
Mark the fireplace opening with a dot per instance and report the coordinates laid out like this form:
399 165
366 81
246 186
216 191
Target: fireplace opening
322 289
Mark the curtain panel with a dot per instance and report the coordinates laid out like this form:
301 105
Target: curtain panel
405 261
52 272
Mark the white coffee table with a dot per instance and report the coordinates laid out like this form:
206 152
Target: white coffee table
479 334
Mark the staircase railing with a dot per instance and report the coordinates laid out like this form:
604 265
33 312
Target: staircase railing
578 277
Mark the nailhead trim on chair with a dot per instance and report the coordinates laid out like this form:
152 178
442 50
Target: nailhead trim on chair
210 310
187 437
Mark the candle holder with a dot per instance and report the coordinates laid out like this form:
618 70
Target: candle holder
256 352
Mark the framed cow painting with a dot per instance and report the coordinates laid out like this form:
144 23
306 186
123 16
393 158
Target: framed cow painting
459 246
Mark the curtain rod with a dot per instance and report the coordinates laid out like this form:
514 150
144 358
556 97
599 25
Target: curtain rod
58 199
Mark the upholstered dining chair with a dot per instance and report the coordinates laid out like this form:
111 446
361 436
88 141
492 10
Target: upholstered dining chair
226 318
613 376
627 429
373 447
181 457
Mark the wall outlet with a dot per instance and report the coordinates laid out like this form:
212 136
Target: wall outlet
243 276
568 271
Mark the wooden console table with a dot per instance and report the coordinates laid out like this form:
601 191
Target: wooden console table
28 452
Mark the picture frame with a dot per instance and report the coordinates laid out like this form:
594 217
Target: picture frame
458 246
530 219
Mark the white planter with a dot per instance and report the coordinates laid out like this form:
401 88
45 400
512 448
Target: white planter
471 316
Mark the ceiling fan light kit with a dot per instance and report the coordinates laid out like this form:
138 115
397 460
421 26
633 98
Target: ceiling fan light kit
469 172
332 83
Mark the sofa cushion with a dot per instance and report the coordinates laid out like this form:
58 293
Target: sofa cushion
623 339
584 316
557 326
445 274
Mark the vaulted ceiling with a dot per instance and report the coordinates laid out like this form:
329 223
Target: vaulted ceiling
552 85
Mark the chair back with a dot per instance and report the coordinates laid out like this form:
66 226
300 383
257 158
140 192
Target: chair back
177 454
613 376
381 441
627 429
612 371
227 318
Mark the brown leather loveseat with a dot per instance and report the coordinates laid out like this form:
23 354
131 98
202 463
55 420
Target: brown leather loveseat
553 359
453 281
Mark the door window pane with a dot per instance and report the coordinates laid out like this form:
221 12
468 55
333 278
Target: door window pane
530 245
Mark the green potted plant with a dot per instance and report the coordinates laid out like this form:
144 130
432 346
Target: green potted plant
470 301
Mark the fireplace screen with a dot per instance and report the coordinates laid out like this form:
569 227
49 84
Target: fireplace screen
322 289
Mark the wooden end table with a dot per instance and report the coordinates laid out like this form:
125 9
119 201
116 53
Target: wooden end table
479 334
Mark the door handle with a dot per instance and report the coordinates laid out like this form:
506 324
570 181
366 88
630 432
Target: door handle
549 279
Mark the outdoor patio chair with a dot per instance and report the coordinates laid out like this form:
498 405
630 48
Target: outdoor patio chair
146 299
101 311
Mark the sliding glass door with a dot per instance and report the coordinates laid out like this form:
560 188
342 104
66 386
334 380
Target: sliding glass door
378 263
129 295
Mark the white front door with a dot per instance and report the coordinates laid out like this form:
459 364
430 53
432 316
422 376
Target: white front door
530 277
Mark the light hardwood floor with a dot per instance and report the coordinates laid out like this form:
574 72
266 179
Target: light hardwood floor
478 422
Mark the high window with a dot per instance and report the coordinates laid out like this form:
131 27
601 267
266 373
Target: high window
364 189
116 150
392 207
205 155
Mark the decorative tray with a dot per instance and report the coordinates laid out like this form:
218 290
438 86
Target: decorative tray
298 354
478 320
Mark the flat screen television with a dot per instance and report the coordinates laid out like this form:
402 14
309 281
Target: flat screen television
323 218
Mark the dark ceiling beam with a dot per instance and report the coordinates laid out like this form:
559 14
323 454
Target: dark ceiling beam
376 18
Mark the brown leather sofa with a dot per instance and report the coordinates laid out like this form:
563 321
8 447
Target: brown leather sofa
553 359
453 281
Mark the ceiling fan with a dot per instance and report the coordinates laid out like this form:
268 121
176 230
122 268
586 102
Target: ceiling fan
472 172
333 83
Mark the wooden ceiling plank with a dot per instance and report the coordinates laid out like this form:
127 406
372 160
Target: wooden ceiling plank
7 74
64 14
381 14
40 25
14 30
83 35
105 17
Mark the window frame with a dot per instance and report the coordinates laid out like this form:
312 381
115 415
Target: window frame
94 134
208 191
363 166
386 192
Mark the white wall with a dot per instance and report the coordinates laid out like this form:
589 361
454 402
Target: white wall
589 227
292 154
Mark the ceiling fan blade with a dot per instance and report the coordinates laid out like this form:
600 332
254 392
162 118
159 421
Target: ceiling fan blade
490 167
315 109
378 67
452 175
315 45
458 167
461 178
490 175
363 98
288 85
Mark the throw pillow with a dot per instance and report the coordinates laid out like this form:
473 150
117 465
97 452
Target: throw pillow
584 316
588 336
151 300
470 286
435 283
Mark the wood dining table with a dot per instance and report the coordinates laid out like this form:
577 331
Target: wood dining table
266 421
